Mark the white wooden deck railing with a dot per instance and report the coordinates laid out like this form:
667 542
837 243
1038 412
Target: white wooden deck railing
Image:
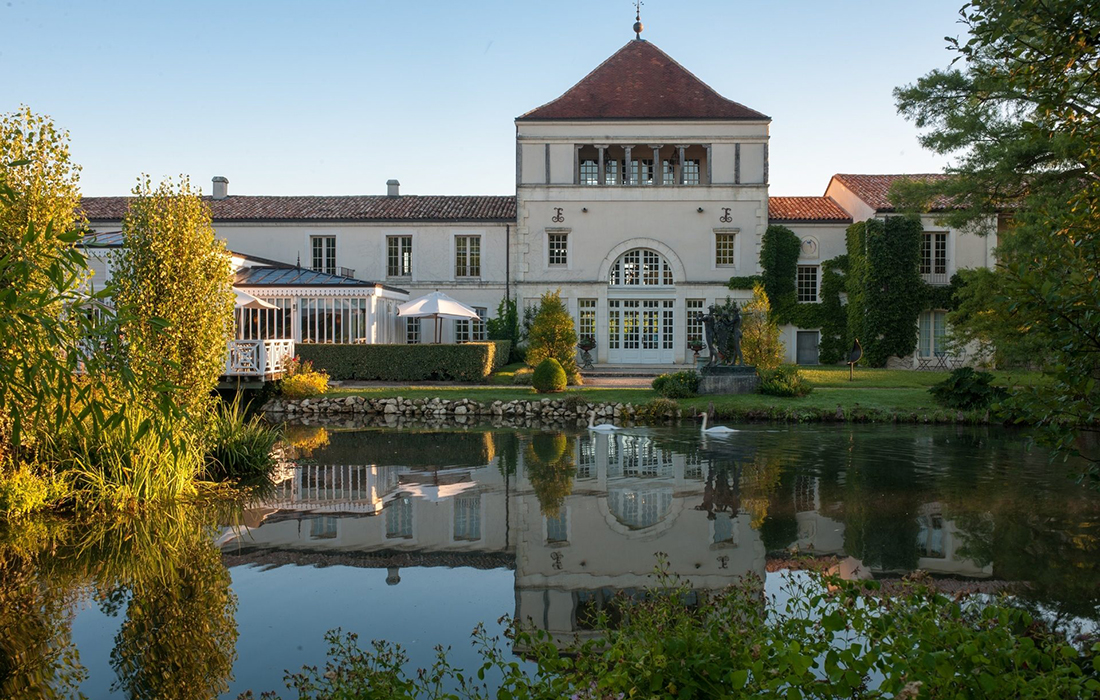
258 358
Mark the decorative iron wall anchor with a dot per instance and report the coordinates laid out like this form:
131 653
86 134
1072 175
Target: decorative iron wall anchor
726 218
558 218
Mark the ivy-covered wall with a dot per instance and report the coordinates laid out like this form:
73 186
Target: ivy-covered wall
880 275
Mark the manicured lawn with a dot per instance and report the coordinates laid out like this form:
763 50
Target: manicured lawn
873 391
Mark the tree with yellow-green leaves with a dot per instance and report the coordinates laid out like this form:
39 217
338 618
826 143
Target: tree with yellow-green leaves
760 341
174 278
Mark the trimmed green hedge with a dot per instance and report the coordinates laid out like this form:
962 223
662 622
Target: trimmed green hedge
468 362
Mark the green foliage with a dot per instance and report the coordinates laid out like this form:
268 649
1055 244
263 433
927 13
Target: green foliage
238 446
549 377
523 376
302 381
1016 113
883 285
779 251
24 490
747 282
173 275
968 390
785 380
828 638
505 326
658 410
553 335
467 362
677 385
760 341
983 316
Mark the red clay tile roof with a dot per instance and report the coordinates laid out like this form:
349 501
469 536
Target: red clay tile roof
641 82
875 189
334 208
806 210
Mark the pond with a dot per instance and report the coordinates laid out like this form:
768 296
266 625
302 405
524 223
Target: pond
418 534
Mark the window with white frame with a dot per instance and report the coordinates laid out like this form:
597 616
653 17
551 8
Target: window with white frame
668 173
932 332
557 247
611 172
691 172
807 283
724 249
399 256
641 267
695 332
641 172
480 330
933 254
323 250
462 330
586 318
590 172
467 518
334 319
467 256
265 324
412 331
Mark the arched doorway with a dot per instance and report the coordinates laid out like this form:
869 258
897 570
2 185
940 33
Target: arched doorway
641 309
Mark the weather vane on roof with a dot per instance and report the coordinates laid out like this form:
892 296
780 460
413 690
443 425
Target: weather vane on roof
638 19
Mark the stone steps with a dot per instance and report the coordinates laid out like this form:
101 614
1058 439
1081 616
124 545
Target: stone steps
633 370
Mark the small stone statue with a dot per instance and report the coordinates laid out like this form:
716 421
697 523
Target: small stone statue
723 330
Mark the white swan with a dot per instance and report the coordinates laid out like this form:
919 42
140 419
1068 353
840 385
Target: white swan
604 428
716 430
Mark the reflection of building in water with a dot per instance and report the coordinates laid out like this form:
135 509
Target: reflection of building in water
631 499
939 543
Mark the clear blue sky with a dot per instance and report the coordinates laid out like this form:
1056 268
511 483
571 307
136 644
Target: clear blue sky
337 97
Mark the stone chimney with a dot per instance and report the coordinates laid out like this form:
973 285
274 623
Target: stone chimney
393 188
221 187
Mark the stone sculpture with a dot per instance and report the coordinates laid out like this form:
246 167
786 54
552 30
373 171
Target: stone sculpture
723 330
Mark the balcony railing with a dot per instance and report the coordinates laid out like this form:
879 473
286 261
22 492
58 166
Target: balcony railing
937 278
346 272
258 358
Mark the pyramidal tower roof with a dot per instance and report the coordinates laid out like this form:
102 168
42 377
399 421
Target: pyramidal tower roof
639 81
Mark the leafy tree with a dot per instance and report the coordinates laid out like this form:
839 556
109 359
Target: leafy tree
982 322
553 335
760 341
171 269
548 461
1019 114
506 324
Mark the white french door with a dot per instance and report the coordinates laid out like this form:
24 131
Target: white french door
640 331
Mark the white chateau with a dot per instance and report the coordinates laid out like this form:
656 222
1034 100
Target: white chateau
639 193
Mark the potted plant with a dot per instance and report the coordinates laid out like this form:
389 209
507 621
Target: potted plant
587 344
696 345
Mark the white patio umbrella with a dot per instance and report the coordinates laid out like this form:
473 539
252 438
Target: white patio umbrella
438 306
247 301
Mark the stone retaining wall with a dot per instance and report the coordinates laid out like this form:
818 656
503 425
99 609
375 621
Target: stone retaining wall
544 409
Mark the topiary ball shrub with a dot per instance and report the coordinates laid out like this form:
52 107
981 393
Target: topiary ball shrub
785 380
968 390
549 377
678 385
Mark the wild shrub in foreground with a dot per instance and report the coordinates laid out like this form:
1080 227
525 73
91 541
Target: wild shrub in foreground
677 385
830 639
785 380
239 446
968 390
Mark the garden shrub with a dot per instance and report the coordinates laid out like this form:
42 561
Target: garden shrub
522 376
573 402
968 390
302 381
467 362
785 380
677 385
553 335
760 343
549 377
658 409
24 490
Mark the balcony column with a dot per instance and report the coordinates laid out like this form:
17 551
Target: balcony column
576 165
658 171
628 167
681 148
710 172
601 176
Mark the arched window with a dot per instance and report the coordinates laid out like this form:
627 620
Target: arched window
639 508
641 267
